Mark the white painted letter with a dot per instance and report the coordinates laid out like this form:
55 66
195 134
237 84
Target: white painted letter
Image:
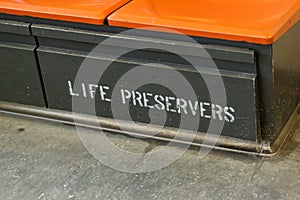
203 110
229 117
194 107
92 89
125 96
103 93
71 90
158 99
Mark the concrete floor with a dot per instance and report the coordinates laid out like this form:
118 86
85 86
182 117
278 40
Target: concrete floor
45 160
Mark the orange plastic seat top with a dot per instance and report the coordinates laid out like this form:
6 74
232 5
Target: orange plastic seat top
84 11
255 21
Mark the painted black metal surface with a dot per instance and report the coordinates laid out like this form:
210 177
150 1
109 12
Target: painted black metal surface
19 76
286 59
62 51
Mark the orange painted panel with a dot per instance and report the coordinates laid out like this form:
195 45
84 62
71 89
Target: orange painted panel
256 21
84 11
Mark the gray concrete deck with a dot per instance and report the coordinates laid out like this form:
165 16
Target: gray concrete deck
45 160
